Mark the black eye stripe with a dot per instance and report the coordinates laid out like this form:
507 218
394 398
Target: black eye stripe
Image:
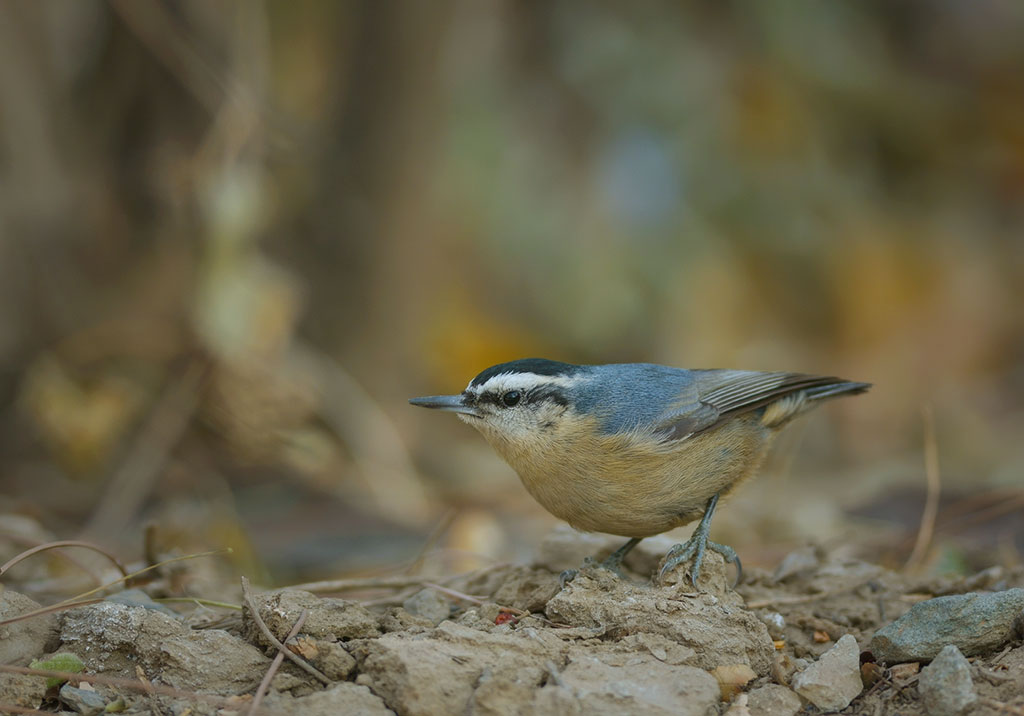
540 394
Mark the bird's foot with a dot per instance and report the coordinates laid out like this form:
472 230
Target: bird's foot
695 548
612 563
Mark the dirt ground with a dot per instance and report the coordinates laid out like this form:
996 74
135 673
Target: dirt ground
510 640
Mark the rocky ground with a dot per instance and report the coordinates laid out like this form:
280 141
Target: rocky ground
816 635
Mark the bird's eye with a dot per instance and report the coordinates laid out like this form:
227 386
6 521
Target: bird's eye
511 398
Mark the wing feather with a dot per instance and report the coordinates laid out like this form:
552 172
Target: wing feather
725 393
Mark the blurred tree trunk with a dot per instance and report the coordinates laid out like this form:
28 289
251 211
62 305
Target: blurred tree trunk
376 181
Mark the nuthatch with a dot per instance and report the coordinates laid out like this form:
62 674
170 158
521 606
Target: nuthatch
634 449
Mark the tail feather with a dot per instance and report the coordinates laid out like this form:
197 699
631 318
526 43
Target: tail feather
781 411
833 390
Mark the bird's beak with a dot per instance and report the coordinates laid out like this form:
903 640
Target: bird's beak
451 403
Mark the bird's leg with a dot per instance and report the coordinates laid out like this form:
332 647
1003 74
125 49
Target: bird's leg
695 547
612 562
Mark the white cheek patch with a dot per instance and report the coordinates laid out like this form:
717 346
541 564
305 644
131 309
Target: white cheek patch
519 381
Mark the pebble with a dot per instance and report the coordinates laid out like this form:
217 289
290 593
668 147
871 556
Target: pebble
427 603
20 641
773 700
945 685
833 681
976 623
83 701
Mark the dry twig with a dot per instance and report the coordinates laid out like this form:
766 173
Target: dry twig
276 664
295 658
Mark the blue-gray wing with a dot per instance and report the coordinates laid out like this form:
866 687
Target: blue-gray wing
719 394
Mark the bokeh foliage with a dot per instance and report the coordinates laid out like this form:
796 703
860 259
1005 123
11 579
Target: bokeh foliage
237 235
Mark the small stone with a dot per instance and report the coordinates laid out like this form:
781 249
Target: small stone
398 619
436 672
22 690
20 641
776 624
118 639
529 589
739 707
945 685
83 701
975 623
902 673
334 660
833 681
773 700
325 618
343 698
638 687
430 605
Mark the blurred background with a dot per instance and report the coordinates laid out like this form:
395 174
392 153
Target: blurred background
235 237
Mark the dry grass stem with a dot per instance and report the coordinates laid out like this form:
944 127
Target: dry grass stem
931 505
358 583
80 601
58 545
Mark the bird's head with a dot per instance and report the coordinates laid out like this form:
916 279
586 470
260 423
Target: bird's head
515 402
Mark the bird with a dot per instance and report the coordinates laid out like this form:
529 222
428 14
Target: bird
635 449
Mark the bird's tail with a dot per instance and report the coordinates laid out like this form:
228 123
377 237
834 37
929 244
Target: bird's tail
781 411
834 390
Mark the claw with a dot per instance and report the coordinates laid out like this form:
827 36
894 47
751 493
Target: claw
696 546
613 563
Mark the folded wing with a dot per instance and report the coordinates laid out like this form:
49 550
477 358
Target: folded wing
725 393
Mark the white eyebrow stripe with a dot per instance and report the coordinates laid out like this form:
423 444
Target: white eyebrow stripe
520 381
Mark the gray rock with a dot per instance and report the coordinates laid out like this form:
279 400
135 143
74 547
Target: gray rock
22 690
333 660
776 624
773 700
343 698
642 686
436 672
975 623
945 685
527 588
210 660
111 637
83 701
26 639
114 637
326 618
833 681
430 605
716 626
